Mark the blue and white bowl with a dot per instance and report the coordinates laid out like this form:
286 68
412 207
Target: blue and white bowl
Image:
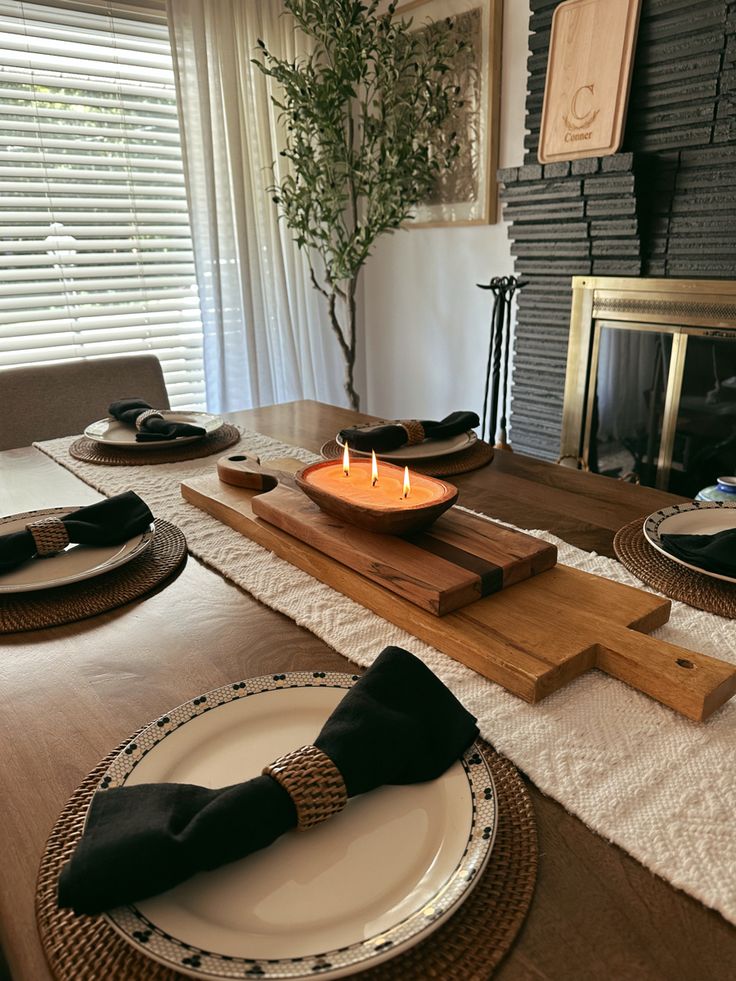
723 490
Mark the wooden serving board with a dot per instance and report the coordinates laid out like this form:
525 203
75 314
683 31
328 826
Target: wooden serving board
457 561
532 638
591 55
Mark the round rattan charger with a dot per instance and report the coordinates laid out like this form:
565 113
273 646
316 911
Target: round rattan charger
477 456
164 558
668 577
92 452
466 948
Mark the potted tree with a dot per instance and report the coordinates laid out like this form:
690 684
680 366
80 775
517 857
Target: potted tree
367 119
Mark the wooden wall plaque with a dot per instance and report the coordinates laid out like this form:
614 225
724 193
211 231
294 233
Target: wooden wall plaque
591 55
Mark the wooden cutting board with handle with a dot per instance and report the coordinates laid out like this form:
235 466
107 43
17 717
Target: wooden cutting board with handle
532 638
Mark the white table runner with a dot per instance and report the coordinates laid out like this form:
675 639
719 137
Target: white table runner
661 787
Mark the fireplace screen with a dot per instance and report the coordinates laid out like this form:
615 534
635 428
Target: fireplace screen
647 400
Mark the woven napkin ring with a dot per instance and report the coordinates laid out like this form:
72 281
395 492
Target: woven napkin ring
148 414
313 782
414 430
50 536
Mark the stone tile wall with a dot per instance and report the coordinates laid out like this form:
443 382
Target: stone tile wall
665 206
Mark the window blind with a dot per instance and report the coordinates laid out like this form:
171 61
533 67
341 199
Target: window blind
95 245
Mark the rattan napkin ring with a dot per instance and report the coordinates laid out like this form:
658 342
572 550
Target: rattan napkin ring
414 430
313 782
50 536
148 414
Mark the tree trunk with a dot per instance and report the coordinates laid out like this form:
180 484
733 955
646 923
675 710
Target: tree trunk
350 353
346 339
353 396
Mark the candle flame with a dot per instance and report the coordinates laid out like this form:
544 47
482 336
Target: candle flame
346 461
407 482
374 469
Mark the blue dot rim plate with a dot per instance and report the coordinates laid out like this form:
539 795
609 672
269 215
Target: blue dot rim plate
696 518
358 889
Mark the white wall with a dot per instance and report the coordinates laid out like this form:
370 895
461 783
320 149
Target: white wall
425 323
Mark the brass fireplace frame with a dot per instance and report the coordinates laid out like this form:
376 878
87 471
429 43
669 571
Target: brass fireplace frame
681 307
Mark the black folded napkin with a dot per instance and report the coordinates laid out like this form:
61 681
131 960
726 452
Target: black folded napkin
390 436
106 523
397 725
715 553
154 428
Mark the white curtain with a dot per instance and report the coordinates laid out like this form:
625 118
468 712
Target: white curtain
266 337
625 372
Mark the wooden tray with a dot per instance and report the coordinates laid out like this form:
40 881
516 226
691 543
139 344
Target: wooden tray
457 561
533 638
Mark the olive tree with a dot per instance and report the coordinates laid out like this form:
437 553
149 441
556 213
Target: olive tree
367 131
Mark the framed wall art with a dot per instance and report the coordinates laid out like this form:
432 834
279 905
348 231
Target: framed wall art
467 195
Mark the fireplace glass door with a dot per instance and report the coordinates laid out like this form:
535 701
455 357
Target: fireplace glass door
650 386
626 412
704 424
662 410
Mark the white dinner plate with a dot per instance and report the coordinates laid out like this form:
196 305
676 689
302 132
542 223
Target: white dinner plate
349 893
698 518
427 450
75 563
112 432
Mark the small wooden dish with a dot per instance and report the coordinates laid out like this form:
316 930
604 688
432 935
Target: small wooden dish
399 520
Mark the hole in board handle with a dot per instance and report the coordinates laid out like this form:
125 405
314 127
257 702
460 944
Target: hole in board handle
684 663
236 459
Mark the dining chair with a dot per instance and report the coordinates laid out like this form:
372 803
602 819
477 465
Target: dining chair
45 401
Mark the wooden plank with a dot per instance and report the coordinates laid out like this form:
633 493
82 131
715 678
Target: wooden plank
520 556
532 638
439 570
427 580
591 55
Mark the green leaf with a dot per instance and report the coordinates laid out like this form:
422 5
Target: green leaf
366 121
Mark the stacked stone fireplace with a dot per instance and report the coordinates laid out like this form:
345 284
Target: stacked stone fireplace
663 207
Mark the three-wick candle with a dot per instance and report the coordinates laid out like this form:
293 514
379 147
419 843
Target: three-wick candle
379 487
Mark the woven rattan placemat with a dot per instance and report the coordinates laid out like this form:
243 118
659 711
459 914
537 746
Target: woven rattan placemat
668 577
65 604
466 948
92 452
477 456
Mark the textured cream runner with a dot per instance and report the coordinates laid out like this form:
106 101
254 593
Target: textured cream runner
661 787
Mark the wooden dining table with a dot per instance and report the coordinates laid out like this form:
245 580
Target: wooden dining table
72 693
